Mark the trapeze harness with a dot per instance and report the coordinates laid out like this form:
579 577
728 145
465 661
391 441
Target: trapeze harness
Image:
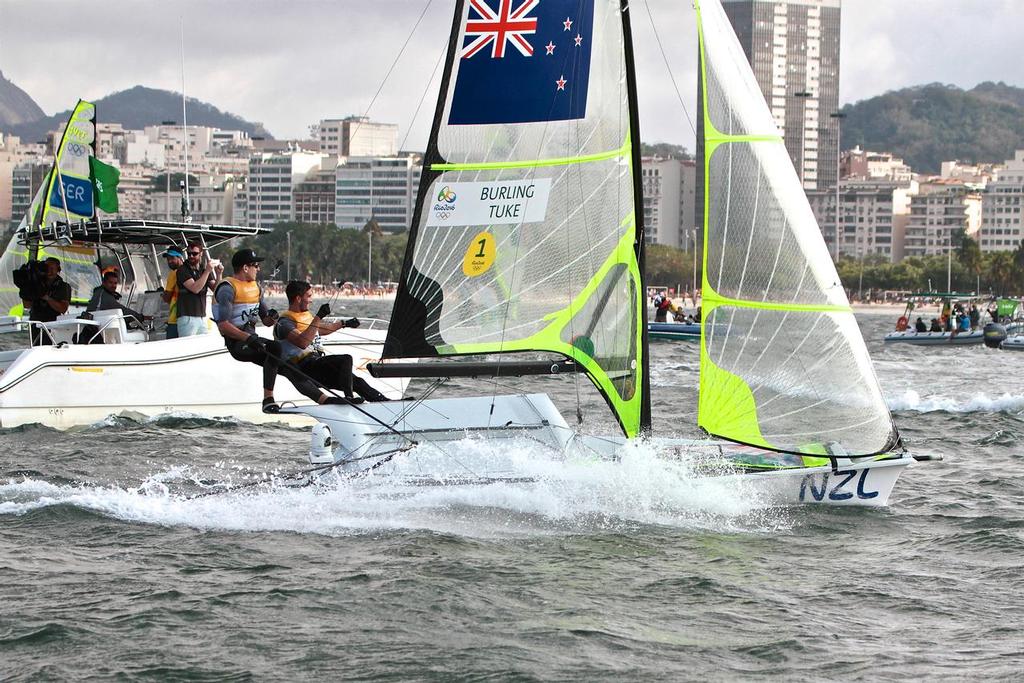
292 353
245 310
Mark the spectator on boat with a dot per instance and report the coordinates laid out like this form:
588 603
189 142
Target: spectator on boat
919 325
299 331
52 299
662 307
106 298
240 306
696 316
170 294
936 325
975 316
965 322
193 284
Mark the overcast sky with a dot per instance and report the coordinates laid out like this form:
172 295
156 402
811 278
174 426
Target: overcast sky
290 63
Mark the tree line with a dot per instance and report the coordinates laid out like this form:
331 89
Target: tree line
325 254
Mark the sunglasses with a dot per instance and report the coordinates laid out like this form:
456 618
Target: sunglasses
254 265
194 253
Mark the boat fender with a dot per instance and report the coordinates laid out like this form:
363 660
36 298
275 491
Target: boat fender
995 335
902 323
321 445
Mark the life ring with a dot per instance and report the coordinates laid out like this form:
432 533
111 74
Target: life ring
901 324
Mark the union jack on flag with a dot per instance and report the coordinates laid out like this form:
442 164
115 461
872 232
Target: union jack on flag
522 61
501 28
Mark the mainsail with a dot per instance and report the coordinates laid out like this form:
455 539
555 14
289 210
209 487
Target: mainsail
783 364
69 188
525 235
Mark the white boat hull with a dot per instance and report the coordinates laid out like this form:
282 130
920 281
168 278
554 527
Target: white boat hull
385 431
79 384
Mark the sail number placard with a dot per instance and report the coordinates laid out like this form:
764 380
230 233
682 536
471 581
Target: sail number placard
479 256
500 202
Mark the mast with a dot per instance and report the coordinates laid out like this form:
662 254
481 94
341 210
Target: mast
638 204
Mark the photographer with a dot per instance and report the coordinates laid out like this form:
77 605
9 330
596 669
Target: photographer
50 298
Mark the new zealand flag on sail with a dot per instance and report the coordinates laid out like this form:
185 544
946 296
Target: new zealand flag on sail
523 61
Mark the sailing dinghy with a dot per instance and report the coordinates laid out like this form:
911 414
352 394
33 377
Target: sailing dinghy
526 240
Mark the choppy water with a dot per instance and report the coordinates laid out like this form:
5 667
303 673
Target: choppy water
632 571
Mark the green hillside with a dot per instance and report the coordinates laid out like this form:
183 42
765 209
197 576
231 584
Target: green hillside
929 124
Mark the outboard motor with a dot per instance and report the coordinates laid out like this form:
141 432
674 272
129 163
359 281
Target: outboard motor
321 445
995 335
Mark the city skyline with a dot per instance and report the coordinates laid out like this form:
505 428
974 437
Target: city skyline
258 59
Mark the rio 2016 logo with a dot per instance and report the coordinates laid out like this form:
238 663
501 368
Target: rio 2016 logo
446 195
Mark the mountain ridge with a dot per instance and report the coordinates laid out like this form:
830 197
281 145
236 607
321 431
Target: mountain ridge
935 122
136 108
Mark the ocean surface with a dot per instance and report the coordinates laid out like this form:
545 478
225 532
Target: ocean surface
110 568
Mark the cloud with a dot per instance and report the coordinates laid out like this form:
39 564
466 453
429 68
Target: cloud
291 64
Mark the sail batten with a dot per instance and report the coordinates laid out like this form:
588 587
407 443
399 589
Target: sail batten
526 235
783 364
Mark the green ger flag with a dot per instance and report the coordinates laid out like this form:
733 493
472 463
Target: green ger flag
104 182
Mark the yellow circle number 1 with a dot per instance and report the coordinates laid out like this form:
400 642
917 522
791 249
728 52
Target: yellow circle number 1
479 256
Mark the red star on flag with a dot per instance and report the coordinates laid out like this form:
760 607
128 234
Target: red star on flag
579 39
561 82
550 47
567 24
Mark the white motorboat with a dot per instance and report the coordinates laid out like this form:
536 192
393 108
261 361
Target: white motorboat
526 239
138 371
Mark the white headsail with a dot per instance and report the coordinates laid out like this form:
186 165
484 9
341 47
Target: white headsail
783 363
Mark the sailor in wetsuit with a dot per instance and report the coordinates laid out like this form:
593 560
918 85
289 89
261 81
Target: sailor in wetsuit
239 305
299 333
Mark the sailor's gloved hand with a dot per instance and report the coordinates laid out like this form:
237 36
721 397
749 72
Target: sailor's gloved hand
254 341
352 322
273 314
323 311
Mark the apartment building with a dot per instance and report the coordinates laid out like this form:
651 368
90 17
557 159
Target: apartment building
941 209
793 48
383 188
669 209
272 180
1002 227
357 136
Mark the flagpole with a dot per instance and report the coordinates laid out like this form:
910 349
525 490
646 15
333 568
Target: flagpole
186 214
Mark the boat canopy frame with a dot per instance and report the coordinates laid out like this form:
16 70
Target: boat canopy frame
136 231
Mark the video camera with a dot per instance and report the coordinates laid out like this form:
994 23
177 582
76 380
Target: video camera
30 278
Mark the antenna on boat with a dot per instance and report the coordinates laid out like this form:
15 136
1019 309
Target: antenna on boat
186 214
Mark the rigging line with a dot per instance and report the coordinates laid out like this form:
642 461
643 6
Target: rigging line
366 112
423 97
554 182
291 367
520 229
541 244
743 272
671 74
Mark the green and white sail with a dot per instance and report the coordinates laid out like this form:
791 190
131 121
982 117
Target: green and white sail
526 235
65 194
783 363
69 189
